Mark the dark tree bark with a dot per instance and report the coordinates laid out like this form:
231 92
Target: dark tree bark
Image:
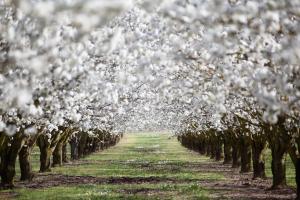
218 156
258 160
218 148
203 147
227 150
57 156
24 158
8 159
58 151
208 151
236 156
298 178
25 166
74 148
245 147
45 159
3 139
212 150
278 167
294 152
47 147
64 154
82 144
280 143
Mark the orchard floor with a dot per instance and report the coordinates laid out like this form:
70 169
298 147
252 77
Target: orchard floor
145 166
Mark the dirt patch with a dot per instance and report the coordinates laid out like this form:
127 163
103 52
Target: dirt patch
52 180
8 195
145 149
242 186
186 167
143 191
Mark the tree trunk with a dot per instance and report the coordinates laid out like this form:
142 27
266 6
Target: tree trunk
203 148
47 146
227 151
278 167
218 148
57 155
45 159
208 147
64 154
258 159
236 158
45 153
24 158
8 159
82 144
3 139
25 166
213 151
218 156
294 154
60 151
280 143
74 148
298 178
245 146
8 162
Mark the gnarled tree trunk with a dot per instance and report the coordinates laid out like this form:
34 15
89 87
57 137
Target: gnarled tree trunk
8 159
218 147
245 148
74 143
25 166
298 178
212 150
24 158
45 158
294 152
57 155
58 151
258 160
278 167
47 146
202 149
279 143
236 156
82 144
227 150
64 154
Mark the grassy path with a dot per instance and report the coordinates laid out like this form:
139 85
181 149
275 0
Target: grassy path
144 166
